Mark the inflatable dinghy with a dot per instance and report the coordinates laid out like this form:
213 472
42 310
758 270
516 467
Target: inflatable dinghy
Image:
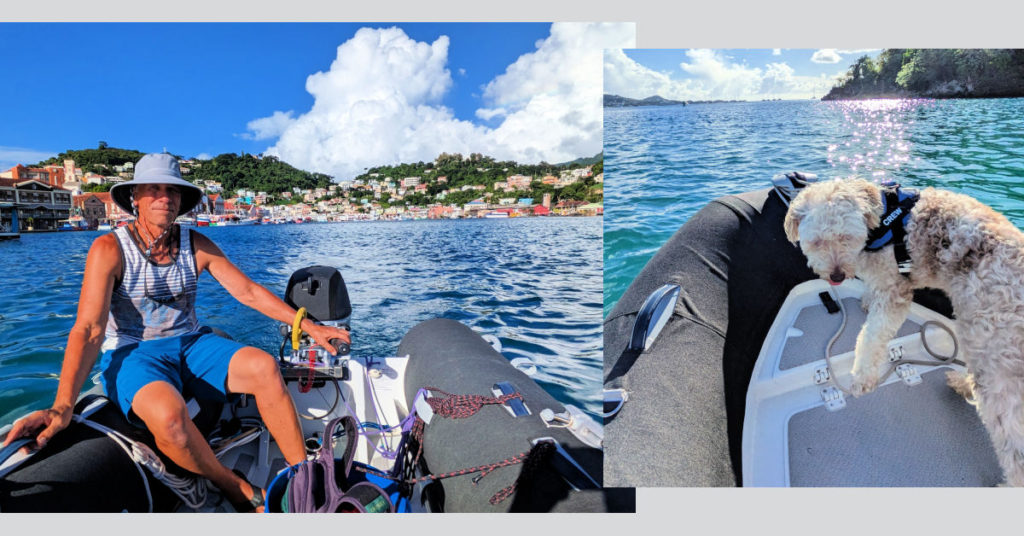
727 363
501 443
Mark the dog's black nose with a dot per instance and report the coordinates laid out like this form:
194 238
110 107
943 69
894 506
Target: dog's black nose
837 277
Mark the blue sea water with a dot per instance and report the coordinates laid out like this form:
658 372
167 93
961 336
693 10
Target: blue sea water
535 283
662 164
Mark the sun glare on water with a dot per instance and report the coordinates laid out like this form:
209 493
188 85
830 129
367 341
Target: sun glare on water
873 136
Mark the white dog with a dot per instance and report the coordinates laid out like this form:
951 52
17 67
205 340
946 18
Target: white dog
955 244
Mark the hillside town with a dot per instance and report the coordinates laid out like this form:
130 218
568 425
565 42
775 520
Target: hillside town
57 197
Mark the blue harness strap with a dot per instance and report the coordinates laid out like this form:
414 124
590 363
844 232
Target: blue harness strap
896 206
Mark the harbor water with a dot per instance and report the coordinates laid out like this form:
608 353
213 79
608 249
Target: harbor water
535 283
662 164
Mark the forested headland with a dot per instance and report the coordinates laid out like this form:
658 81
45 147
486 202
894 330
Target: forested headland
934 73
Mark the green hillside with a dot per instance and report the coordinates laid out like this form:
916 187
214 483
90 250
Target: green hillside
100 160
477 169
271 175
934 73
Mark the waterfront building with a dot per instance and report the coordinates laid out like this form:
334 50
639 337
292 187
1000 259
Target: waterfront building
475 208
568 207
438 212
52 175
214 204
91 207
40 206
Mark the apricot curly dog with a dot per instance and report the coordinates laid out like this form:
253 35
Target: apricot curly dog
954 243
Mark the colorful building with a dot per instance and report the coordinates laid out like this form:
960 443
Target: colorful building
39 206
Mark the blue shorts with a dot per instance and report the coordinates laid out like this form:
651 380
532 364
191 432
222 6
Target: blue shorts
196 364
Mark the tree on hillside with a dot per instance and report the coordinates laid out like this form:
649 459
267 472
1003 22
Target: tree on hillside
936 72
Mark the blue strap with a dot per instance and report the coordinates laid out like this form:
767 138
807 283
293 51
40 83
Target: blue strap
896 206
11 449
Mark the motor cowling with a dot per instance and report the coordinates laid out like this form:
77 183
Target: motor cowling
322 291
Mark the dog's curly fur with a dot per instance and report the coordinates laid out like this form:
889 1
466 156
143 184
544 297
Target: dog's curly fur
958 245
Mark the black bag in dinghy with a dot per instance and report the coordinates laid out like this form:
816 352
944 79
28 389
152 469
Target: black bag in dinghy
493 439
715 372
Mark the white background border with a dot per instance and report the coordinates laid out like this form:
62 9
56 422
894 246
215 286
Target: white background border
660 24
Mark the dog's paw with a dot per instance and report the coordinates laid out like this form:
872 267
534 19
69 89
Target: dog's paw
962 384
863 384
865 304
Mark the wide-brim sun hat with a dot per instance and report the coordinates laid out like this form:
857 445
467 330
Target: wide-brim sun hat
157 168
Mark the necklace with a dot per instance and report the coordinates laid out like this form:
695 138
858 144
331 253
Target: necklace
153 241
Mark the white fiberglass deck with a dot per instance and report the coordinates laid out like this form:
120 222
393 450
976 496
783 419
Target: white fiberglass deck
799 430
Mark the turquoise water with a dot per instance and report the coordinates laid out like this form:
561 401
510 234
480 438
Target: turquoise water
533 282
664 164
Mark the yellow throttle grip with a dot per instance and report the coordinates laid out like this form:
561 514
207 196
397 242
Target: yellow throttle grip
296 330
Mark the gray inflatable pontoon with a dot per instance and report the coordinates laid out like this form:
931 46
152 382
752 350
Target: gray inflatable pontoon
715 372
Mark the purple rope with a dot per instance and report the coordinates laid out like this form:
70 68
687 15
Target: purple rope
405 425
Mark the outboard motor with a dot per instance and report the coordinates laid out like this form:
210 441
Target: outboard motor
321 291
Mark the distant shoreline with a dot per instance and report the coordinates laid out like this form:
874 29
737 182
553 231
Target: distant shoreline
551 216
881 96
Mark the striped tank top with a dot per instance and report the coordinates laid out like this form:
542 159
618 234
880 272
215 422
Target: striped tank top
152 301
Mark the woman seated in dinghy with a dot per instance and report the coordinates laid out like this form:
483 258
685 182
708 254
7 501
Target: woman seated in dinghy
138 300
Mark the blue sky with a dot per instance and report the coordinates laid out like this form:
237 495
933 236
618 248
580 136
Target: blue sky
196 88
728 74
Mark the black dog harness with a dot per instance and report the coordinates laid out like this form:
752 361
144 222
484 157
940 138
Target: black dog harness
896 203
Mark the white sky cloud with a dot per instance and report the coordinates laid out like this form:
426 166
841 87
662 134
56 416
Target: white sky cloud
12 156
204 156
712 76
380 103
859 51
490 113
826 55
625 77
266 128
776 52
719 77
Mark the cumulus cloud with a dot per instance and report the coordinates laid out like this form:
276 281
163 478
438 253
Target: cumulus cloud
859 50
627 78
711 76
553 95
826 55
776 52
719 77
380 103
204 156
266 128
490 113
